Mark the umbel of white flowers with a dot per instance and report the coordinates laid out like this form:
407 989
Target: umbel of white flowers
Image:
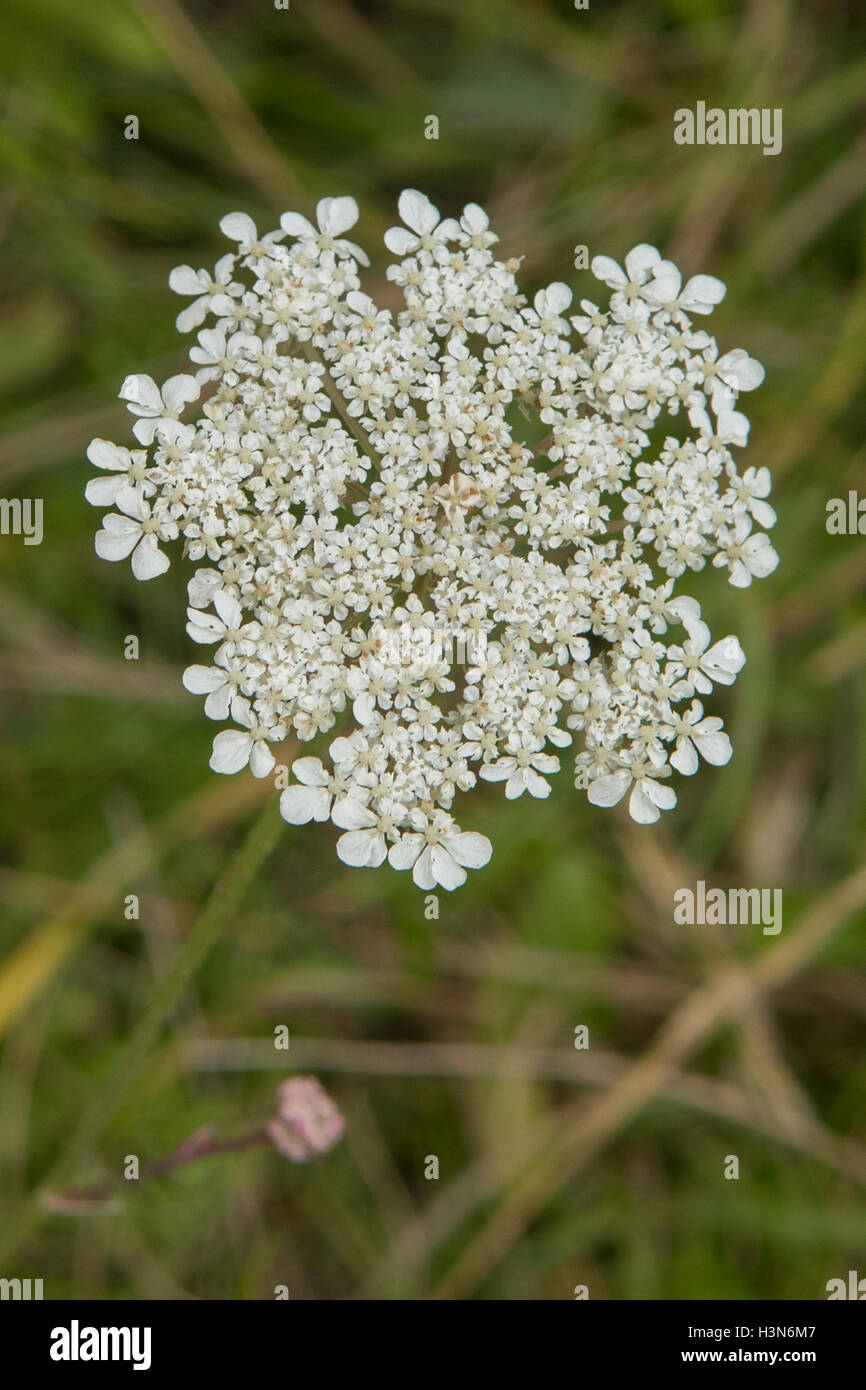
470 465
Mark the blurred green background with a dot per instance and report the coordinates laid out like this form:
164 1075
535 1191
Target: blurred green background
453 1037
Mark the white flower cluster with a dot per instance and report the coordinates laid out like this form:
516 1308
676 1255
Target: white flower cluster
463 466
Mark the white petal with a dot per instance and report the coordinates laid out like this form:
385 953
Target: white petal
498 772
378 851
546 763
558 737
298 805
261 758
640 261
475 218
403 854
103 492
607 270
174 431
557 298
699 633
469 848
423 875
243 342
103 454
724 660
535 784
446 870
193 315
200 588
607 791
213 346
242 712
400 241
237 226
363 709
760 556
350 248
130 500
660 794
360 303
141 394
714 748
223 306
701 293
362 849
117 539
184 280
665 284
310 772
518 783
722 398
351 815
203 628
734 427
761 511
745 371
228 608
148 560
336 215
179 390
295 225
417 211
683 607
323 212
342 750
144 429
684 758
218 703
640 807
231 751
699 419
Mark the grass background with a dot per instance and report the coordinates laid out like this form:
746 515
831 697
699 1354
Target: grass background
557 1167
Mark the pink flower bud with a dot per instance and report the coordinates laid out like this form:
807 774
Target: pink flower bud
307 1121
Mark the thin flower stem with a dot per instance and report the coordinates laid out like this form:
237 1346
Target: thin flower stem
313 355
225 897
539 450
199 1145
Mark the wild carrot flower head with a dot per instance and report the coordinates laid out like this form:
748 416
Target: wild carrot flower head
445 541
